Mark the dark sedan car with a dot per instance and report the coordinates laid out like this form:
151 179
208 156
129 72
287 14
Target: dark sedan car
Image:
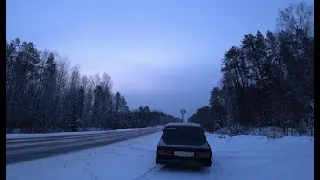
184 144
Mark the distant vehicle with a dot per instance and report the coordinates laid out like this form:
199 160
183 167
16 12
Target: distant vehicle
184 144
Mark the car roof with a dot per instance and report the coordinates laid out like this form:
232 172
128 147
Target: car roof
177 124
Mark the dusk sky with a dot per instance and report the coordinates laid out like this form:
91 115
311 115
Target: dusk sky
162 53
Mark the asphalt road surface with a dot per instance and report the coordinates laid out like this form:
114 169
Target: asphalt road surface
24 149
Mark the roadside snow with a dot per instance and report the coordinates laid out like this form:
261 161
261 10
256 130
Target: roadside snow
13 136
238 157
270 131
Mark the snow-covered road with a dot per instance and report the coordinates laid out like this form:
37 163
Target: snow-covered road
240 157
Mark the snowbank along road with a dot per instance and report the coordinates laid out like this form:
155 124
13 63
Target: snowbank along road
234 158
21 149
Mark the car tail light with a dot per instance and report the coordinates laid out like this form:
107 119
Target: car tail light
164 152
203 154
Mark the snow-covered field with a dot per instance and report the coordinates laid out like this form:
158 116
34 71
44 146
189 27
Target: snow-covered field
238 158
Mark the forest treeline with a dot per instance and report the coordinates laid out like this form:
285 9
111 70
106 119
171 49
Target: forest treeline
43 94
268 80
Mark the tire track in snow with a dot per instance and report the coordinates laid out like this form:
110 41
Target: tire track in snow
216 170
150 173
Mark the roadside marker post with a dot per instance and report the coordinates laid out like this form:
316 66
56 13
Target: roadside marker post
183 111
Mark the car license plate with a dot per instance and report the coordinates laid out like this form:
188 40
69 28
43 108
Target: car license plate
183 154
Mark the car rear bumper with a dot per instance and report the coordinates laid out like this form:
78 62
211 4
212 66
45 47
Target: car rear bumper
203 162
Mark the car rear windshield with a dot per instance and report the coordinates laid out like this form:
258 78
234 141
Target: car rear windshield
183 134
